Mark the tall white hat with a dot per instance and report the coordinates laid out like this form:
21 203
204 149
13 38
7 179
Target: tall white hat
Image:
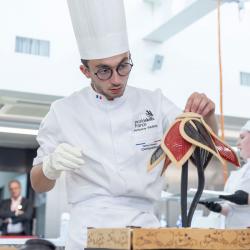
246 127
100 27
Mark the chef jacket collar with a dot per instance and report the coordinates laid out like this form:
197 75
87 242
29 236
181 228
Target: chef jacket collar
101 100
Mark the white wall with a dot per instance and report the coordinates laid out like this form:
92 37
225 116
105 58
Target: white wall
190 64
191 59
46 20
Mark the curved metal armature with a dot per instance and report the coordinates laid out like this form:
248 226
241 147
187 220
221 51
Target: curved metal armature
190 138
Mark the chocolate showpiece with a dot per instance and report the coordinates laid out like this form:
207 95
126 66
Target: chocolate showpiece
190 138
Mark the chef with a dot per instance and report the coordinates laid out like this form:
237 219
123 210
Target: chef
236 208
102 136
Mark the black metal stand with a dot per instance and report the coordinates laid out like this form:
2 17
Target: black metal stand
184 185
187 217
201 184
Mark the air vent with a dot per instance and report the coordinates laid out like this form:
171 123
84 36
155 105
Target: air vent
28 110
245 79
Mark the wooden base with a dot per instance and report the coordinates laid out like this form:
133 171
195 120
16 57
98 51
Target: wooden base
168 238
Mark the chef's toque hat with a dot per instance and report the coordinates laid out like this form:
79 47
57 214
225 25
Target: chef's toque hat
100 27
246 127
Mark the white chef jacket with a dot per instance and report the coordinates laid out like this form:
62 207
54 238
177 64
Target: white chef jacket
113 188
239 215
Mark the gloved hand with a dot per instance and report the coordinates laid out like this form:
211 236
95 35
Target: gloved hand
240 197
212 206
64 158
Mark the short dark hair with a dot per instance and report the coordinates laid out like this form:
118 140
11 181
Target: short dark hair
41 244
85 62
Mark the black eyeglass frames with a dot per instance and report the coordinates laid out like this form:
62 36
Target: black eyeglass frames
123 69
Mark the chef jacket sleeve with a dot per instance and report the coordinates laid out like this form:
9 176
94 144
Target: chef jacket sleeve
48 136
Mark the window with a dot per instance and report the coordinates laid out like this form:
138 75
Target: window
32 46
245 79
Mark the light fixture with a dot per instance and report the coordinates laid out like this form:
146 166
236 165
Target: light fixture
23 131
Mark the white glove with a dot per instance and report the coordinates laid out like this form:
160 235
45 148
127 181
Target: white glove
64 158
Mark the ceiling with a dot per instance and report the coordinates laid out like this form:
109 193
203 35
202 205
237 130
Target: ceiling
20 116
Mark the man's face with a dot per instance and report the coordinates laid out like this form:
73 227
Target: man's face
244 144
116 84
15 190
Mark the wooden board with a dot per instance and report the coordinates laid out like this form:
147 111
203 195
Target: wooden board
168 238
108 238
191 238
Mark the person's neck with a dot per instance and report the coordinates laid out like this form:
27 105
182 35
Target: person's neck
96 90
15 199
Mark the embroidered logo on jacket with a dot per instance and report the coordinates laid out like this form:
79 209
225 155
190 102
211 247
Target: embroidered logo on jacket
149 114
145 122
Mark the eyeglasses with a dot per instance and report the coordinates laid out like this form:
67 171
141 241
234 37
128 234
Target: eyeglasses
123 69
